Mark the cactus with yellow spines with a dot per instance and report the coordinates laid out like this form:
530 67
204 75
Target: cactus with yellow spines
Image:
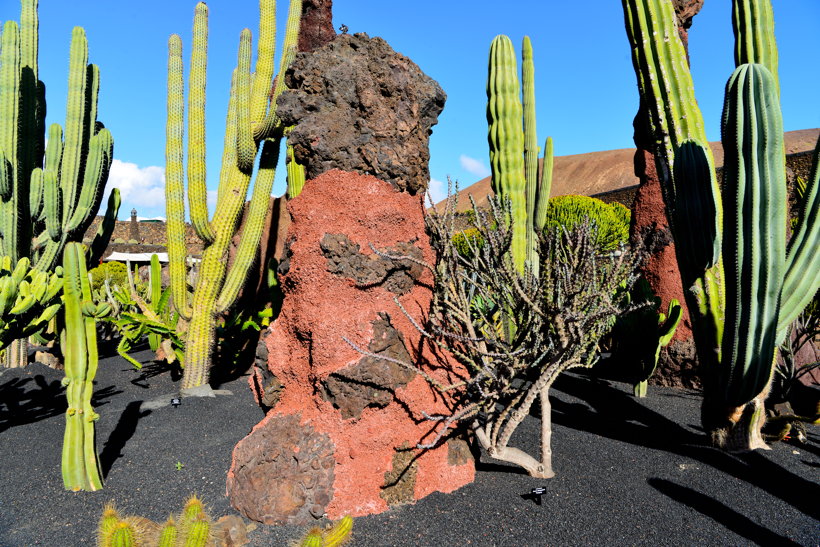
513 148
48 195
191 528
338 533
80 465
251 124
734 262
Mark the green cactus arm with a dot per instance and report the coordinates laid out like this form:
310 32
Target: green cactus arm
754 230
664 80
669 323
753 26
506 140
248 251
76 123
6 177
52 205
697 210
10 223
245 144
530 148
296 174
105 229
35 203
803 259
544 187
29 34
229 147
272 124
174 180
263 75
97 165
197 189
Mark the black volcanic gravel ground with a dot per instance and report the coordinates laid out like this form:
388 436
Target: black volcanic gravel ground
629 472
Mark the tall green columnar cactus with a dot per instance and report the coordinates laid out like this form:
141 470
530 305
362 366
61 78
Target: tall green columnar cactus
734 262
513 148
252 124
81 469
48 200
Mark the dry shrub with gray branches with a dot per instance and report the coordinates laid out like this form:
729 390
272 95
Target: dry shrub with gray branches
515 332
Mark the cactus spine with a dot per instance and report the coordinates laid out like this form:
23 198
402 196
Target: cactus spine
740 317
513 148
80 465
252 124
48 201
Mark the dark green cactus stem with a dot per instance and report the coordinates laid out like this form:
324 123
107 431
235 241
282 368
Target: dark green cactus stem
155 283
754 231
666 327
803 260
80 465
251 124
740 316
753 25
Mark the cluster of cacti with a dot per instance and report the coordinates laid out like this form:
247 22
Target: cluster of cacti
611 220
193 527
252 124
49 194
80 465
28 299
514 150
745 286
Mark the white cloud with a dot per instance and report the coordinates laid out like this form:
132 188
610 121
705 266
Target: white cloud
474 166
212 200
139 186
436 191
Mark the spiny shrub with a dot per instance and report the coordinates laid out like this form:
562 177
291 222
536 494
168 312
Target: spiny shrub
611 221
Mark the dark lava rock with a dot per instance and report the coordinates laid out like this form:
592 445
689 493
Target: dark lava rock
346 260
372 381
282 473
359 106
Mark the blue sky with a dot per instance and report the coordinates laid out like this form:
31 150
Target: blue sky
585 86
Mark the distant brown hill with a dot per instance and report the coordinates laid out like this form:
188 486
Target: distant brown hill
597 173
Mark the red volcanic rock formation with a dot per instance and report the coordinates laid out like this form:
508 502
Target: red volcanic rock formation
341 437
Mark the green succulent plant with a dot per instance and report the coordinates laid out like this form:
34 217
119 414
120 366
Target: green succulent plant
49 195
252 125
744 284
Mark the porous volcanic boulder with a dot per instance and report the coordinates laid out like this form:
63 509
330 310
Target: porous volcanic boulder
368 409
316 27
359 106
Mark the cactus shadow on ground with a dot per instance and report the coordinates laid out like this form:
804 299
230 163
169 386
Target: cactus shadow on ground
610 412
